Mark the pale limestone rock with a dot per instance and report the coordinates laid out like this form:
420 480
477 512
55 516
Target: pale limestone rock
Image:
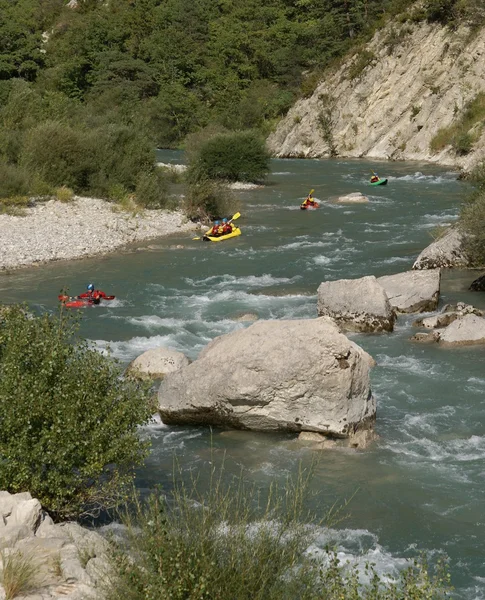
396 116
299 375
353 198
11 534
469 330
445 252
245 317
413 291
425 338
156 363
437 321
97 569
356 304
28 513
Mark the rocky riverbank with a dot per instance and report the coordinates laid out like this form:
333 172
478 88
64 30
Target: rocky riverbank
84 227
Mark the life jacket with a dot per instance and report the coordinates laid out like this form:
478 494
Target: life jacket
93 294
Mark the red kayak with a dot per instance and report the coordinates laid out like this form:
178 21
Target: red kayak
309 205
83 300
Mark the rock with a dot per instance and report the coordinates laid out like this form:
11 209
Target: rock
353 198
425 338
356 304
245 317
28 513
437 321
413 291
11 534
156 363
478 285
445 252
469 330
360 440
298 375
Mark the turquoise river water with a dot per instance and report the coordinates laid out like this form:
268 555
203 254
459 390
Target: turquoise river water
422 486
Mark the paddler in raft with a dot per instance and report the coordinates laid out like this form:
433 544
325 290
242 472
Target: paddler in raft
92 296
309 201
374 178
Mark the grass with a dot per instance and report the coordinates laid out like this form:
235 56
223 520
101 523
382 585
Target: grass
465 131
229 539
64 194
15 205
358 66
19 574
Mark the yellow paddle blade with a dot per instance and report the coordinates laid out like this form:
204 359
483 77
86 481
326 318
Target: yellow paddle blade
196 238
311 192
236 216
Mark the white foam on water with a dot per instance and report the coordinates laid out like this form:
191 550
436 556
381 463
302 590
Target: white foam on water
283 173
306 244
322 260
127 350
416 366
222 281
396 259
425 450
433 179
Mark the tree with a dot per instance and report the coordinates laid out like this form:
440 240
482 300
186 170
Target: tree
68 421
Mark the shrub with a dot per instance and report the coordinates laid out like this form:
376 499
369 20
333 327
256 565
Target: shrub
59 155
152 189
208 200
68 421
15 205
235 541
240 156
472 222
64 194
360 63
13 181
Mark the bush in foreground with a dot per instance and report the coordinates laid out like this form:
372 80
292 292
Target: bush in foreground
208 200
234 541
68 421
240 156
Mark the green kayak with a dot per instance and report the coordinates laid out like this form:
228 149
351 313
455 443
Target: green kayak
379 182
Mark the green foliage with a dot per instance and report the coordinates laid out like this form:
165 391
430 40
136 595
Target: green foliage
363 59
13 181
472 223
152 189
236 541
465 131
68 421
208 200
326 122
239 156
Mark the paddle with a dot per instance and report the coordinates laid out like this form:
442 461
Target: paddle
309 194
236 216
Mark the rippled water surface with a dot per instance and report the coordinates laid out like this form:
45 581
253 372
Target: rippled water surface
423 484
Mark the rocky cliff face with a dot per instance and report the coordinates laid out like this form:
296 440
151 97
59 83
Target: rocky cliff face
391 98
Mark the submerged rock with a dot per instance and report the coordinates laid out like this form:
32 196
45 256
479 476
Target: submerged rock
437 321
298 375
466 331
353 198
478 285
444 252
425 338
356 304
413 291
156 363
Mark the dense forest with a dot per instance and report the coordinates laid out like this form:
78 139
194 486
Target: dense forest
89 88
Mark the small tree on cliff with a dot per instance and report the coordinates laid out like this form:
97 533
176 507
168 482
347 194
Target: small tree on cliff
68 421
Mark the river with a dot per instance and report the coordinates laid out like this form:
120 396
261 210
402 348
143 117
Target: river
422 486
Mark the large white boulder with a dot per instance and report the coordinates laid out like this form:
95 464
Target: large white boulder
298 375
356 304
469 330
156 363
444 252
413 291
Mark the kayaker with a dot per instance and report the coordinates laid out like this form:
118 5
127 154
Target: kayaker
92 294
226 227
309 201
374 178
215 230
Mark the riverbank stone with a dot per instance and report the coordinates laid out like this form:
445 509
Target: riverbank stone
478 285
466 331
359 305
413 291
288 375
445 252
156 363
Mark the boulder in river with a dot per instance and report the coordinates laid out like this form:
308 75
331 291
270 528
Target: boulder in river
156 363
467 331
353 198
444 252
478 285
413 291
295 375
356 304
